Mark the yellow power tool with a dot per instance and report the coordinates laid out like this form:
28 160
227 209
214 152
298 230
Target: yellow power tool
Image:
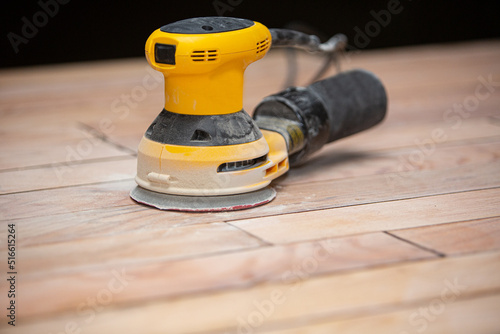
204 152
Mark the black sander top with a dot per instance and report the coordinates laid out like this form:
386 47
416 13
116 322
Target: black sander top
207 25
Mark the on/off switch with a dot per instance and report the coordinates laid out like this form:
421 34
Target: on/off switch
165 53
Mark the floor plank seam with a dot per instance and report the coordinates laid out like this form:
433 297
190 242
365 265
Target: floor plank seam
68 186
160 299
72 163
247 285
334 271
455 222
55 215
362 204
448 144
343 178
284 186
262 241
100 135
92 267
427 249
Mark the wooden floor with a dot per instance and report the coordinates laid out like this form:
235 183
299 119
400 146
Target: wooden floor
396 230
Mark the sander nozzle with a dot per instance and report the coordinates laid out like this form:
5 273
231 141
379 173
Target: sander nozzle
327 110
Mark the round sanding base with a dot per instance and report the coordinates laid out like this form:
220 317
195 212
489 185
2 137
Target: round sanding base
203 203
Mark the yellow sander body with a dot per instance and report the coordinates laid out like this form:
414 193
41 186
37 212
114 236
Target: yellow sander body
204 143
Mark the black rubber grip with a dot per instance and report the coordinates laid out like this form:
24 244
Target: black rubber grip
354 101
325 111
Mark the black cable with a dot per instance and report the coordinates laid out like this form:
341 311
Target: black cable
322 70
311 43
291 74
292 39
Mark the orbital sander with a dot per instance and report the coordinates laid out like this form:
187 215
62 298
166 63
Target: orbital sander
203 152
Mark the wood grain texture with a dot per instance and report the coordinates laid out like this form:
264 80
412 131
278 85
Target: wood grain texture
359 293
234 262
458 238
67 175
383 216
433 316
374 230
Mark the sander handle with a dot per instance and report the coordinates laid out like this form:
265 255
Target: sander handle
325 111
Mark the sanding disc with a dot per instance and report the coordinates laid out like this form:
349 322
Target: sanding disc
203 203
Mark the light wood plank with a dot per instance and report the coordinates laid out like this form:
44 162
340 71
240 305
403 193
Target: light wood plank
357 293
74 82
384 137
165 275
464 237
60 145
64 175
66 200
383 216
335 163
141 246
477 315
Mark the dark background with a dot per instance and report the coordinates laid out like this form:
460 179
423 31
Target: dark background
83 30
